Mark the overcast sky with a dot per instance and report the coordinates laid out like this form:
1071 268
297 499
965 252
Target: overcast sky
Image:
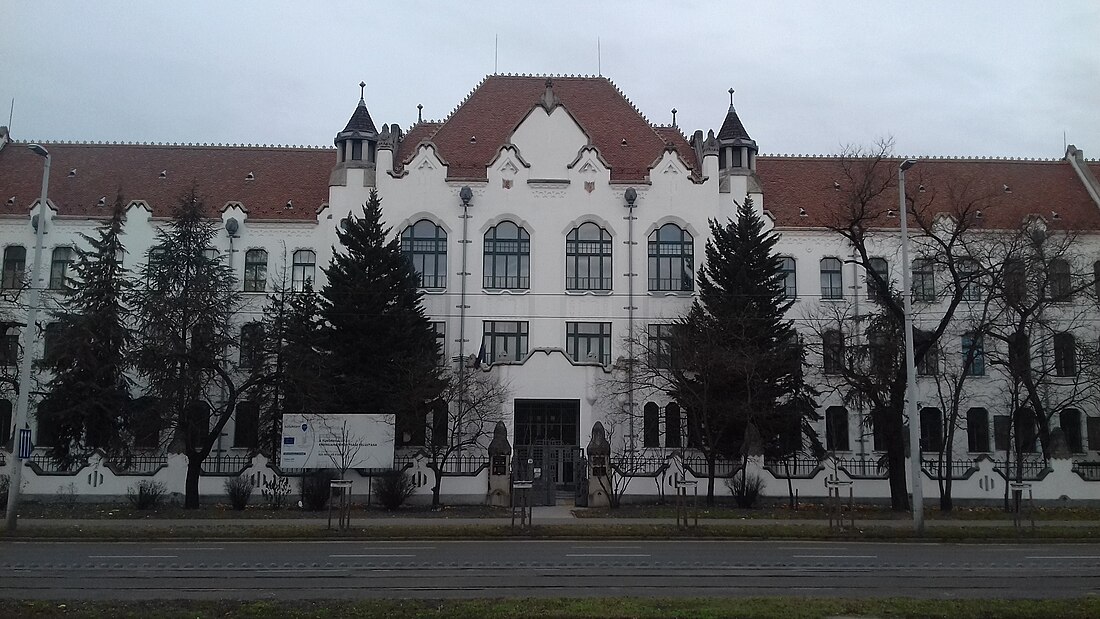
995 78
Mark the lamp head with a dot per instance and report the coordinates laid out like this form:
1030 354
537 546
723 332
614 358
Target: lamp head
908 163
631 195
466 194
39 150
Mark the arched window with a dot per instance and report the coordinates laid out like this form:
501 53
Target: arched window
970 280
880 268
15 263
507 257
246 425
931 430
51 338
973 350
9 344
836 428
929 364
651 428
790 277
671 259
832 351
425 244
252 345
59 267
1070 422
1059 284
1065 354
588 258
832 279
303 269
1015 281
674 427
255 270
977 430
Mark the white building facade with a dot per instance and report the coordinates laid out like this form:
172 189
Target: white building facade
583 223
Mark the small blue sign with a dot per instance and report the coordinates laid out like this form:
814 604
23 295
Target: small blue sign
305 426
288 440
25 446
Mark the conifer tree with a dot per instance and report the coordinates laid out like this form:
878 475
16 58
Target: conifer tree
87 355
183 311
382 351
738 360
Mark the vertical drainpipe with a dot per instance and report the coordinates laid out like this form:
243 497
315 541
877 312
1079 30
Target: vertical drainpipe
855 311
631 196
465 194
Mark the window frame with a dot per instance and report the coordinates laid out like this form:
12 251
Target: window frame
651 425
59 268
881 267
575 336
15 267
832 279
496 331
835 431
977 430
497 247
251 346
255 270
1065 355
931 442
832 353
424 250
671 255
923 285
660 343
303 268
1059 281
788 267
977 341
589 253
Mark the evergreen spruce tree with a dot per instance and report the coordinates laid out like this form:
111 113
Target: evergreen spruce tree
87 355
183 311
738 370
382 352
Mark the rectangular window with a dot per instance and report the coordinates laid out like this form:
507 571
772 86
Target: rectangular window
588 342
832 279
651 425
931 430
836 428
929 364
924 281
973 350
1092 425
302 270
59 267
880 269
255 270
674 426
1070 422
1065 354
5 421
832 351
440 329
9 345
790 277
969 280
977 430
504 340
246 429
660 345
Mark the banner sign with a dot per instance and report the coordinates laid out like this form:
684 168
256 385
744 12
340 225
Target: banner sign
25 445
337 441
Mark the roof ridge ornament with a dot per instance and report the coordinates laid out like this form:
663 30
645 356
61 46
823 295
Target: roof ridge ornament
362 93
549 100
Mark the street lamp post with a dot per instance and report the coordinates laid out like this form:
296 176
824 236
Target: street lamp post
910 365
22 402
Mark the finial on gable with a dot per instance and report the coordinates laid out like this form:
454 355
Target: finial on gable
419 112
362 92
731 97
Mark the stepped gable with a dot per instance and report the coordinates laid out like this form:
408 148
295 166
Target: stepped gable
672 135
496 107
1035 188
280 174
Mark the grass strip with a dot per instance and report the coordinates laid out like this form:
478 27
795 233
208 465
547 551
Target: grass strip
594 608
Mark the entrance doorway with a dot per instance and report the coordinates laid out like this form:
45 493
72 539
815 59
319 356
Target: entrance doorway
547 441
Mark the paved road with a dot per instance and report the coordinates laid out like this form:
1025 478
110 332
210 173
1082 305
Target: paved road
456 569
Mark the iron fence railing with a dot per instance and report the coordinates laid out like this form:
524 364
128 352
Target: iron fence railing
862 468
639 466
795 468
221 464
959 469
465 465
139 464
697 466
1089 471
46 463
1031 470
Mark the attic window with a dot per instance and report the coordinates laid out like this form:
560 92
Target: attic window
102 201
978 215
72 172
624 142
920 188
801 212
164 173
289 204
1055 215
836 186
473 139
250 177
1007 189
891 214
11 200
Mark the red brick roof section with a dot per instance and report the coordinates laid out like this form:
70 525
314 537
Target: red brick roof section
297 175
500 103
672 135
1033 188
410 141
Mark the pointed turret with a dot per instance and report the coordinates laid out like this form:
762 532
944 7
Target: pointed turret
359 139
737 151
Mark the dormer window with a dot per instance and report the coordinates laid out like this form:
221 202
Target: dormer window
357 150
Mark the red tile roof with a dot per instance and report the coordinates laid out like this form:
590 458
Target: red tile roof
412 139
1034 188
280 174
672 135
493 110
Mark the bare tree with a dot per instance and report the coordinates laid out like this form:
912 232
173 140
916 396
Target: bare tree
463 418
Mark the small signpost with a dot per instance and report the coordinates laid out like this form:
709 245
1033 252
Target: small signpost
835 486
1018 489
521 500
682 485
341 487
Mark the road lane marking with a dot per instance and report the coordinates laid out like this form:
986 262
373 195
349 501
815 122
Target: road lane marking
133 557
835 556
1067 557
606 547
605 555
811 548
192 549
368 556
403 548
